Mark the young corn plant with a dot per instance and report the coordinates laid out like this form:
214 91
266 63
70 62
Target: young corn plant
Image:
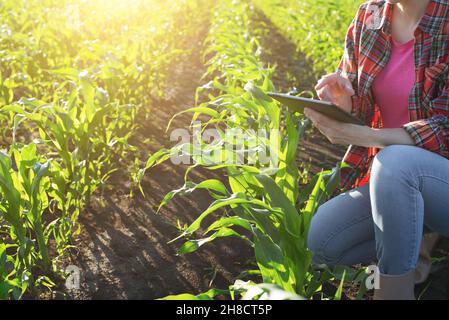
84 132
260 202
125 45
25 260
316 27
73 76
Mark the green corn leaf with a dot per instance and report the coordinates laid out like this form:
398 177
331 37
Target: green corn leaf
229 222
270 260
209 295
197 111
340 287
210 185
12 213
234 199
291 219
193 245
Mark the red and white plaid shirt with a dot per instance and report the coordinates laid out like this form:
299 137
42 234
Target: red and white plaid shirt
367 51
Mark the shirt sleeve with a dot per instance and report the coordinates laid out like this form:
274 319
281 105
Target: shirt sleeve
348 66
433 133
348 63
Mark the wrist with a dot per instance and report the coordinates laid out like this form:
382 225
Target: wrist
381 138
372 137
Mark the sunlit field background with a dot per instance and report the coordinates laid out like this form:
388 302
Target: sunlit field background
87 89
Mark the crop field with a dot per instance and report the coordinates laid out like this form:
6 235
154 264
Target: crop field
141 157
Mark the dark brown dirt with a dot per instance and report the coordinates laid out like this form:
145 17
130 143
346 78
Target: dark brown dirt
123 251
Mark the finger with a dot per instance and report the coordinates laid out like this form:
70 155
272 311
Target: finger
322 130
310 113
323 83
328 75
306 111
346 86
317 119
320 119
325 131
324 121
327 79
326 95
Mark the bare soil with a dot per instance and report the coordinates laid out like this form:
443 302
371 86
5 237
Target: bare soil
123 251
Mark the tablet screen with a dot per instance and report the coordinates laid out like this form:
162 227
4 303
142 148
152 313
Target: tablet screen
297 104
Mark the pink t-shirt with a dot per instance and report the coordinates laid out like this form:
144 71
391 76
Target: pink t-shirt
393 85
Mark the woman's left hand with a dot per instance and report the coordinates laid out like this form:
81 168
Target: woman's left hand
347 133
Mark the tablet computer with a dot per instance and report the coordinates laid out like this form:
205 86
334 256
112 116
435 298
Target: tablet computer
297 104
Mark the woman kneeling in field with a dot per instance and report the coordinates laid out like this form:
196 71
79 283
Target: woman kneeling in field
394 76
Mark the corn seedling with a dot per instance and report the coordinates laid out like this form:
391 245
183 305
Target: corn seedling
263 201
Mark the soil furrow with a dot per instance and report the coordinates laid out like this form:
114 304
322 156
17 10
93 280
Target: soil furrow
123 251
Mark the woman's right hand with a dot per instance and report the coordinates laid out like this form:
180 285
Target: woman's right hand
336 89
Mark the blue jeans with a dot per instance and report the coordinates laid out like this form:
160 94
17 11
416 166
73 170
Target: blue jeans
384 221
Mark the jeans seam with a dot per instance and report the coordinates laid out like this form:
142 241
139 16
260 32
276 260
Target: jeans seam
413 256
432 177
324 243
412 261
414 235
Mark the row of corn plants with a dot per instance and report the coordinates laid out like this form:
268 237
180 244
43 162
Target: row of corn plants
258 201
123 45
73 76
316 27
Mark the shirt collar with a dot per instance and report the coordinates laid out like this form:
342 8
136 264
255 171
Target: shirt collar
432 21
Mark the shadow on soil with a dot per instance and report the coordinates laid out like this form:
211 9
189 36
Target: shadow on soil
123 251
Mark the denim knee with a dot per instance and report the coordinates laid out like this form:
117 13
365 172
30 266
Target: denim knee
391 163
392 180
318 239
391 173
